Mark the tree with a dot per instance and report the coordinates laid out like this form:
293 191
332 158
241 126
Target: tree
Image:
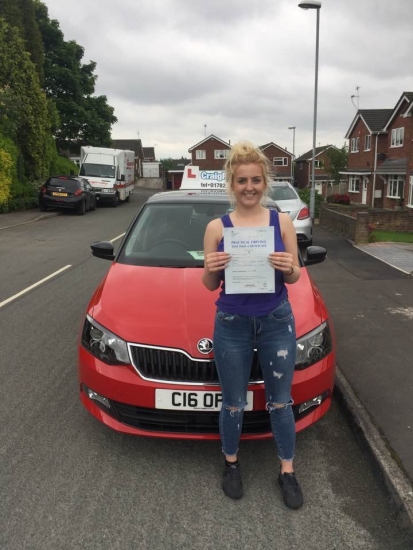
337 162
85 119
28 124
21 14
167 163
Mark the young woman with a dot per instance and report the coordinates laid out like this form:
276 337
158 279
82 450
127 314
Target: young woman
245 322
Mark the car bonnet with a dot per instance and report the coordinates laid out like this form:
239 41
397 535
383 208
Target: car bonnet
170 307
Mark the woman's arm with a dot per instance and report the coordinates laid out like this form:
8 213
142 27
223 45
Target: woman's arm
287 261
214 261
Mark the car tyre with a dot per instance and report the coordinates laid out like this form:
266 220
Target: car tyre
82 208
93 204
42 208
115 201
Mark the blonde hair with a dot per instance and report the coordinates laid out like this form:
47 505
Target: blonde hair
244 152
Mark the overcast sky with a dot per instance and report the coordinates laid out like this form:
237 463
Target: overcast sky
244 69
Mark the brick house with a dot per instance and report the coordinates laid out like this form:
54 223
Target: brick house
380 162
210 153
303 169
280 160
148 154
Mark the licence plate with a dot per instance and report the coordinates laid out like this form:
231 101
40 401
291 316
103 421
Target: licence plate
193 400
59 194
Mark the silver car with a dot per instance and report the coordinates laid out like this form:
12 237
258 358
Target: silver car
287 198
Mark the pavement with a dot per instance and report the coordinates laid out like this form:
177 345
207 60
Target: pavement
368 290
370 300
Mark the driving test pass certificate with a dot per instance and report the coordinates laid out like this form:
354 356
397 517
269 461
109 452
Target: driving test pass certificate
249 271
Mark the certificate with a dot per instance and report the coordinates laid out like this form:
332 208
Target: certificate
249 271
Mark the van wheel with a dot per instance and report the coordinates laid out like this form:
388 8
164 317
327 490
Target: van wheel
127 198
115 201
93 204
82 208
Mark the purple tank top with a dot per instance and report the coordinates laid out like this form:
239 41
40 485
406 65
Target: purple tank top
254 305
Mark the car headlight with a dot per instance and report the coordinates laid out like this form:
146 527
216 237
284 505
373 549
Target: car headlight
103 344
312 347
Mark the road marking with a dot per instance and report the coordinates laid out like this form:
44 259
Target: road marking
116 238
33 286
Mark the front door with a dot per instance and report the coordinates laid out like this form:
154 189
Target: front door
364 192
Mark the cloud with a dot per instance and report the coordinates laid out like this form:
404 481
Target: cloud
243 69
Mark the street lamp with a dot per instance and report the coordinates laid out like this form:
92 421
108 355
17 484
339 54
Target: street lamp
314 5
292 171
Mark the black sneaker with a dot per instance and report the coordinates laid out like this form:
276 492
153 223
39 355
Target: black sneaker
232 482
292 494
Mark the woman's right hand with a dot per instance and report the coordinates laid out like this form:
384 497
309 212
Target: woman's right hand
216 261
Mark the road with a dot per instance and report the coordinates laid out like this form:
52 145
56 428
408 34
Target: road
68 482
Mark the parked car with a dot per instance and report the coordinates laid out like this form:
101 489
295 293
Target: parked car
287 198
145 350
68 192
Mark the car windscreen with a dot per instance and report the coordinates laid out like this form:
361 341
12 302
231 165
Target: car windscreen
170 235
68 184
97 170
282 193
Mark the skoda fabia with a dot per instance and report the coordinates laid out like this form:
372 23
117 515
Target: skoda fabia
146 355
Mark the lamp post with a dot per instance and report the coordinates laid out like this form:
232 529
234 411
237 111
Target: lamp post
292 165
313 5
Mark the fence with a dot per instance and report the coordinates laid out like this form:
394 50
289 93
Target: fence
354 223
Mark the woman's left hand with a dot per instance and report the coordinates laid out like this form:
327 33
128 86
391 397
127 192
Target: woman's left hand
283 261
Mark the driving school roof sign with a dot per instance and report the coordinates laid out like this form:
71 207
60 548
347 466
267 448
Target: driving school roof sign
194 178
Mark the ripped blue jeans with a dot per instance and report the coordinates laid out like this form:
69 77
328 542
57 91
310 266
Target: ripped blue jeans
273 336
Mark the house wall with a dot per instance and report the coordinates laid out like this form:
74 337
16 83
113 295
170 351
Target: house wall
365 159
406 151
273 151
209 163
301 177
303 172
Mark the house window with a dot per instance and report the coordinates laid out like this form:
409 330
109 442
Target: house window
397 136
319 164
280 161
355 145
354 184
367 143
221 153
410 203
200 154
395 188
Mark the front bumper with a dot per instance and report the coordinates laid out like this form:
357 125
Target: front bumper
126 402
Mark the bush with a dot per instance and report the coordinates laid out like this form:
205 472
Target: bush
62 166
305 197
339 199
23 196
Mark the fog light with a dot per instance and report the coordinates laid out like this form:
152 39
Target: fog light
93 396
315 402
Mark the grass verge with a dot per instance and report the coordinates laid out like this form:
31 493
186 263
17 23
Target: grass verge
392 237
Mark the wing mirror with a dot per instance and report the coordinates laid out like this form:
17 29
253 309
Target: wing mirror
315 255
103 249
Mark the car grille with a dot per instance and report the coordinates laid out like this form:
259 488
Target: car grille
197 422
175 366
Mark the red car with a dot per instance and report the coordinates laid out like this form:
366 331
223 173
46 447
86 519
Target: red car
146 363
